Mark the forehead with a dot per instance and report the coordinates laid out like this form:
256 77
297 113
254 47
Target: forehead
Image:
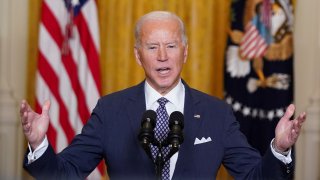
164 28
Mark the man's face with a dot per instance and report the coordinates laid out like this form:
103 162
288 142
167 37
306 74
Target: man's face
161 53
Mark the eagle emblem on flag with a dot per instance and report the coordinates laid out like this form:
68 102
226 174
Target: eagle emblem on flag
268 33
259 66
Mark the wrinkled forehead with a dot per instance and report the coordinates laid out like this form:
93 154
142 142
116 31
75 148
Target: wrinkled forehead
160 32
158 16
168 26
156 20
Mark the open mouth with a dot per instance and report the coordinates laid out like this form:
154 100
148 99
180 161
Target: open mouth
163 70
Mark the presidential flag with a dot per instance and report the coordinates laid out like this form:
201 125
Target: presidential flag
68 71
259 66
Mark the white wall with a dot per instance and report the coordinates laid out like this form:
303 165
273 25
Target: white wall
307 87
13 47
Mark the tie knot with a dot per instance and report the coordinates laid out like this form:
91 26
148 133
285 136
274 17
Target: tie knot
163 101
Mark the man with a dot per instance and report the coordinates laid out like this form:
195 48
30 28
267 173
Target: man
111 132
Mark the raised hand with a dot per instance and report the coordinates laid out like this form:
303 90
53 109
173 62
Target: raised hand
287 131
34 125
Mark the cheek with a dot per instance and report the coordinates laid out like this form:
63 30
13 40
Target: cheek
148 56
147 65
180 60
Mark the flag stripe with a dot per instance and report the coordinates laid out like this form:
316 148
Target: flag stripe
52 25
43 94
250 45
90 50
87 10
72 73
53 55
54 30
59 12
253 45
52 81
68 68
251 51
84 75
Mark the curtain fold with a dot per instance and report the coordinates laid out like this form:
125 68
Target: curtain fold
207 22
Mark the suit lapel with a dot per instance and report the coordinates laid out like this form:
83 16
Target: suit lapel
136 106
192 124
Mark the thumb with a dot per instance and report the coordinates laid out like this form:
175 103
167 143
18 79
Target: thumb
46 107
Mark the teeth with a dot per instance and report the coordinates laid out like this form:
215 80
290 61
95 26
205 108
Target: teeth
162 69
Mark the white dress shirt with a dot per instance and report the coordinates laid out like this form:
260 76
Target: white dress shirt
176 103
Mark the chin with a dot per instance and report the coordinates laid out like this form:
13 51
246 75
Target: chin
167 84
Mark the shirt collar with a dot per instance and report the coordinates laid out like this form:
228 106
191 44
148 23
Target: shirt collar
175 96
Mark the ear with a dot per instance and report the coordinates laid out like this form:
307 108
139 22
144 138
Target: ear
185 54
137 55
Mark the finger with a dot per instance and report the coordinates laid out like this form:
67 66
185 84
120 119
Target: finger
24 118
302 117
22 107
25 107
46 107
296 126
289 112
294 135
297 123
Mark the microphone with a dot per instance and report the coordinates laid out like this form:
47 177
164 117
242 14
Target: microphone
175 136
146 134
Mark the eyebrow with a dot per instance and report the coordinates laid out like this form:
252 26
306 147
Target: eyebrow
156 43
149 44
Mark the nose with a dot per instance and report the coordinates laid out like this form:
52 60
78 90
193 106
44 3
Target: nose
162 54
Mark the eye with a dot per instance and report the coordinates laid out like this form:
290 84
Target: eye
152 47
171 46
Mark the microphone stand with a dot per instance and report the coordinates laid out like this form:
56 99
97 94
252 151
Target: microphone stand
174 139
160 159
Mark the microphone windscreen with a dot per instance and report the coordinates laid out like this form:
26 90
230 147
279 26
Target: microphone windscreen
151 115
176 118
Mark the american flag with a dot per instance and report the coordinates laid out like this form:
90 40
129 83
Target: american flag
256 38
68 71
252 45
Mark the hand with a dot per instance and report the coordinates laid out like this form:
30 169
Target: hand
34 125
287 131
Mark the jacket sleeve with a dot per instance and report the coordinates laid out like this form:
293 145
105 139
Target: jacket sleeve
76 161
245 162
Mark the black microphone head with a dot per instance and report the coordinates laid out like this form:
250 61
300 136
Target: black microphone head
176 118
146 133
150 116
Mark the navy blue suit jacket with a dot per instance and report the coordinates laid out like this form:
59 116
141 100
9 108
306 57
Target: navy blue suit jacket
111 134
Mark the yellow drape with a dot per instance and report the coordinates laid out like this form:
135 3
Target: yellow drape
206 23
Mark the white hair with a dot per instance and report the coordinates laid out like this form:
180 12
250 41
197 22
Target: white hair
158 15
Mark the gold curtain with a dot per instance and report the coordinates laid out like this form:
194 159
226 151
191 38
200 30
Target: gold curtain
206 23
